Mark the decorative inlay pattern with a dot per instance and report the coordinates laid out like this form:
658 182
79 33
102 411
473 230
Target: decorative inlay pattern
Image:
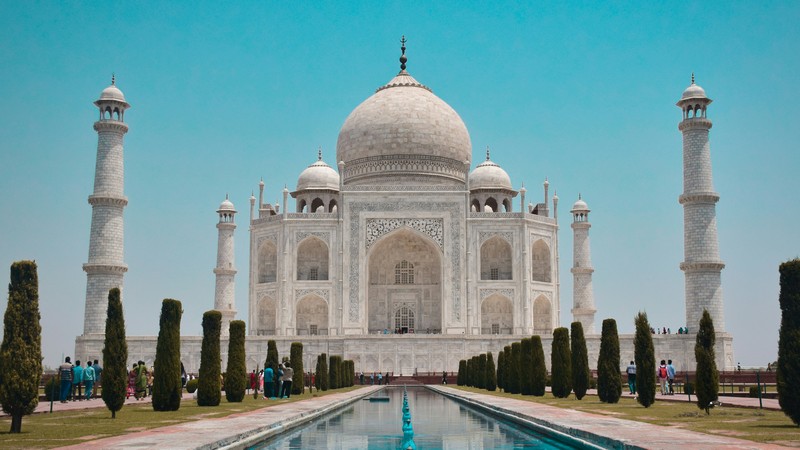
325 236
455 212
300 293
429 227
535 294
483 236
509 293
267 237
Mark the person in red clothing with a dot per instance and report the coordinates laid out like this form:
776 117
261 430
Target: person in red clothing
253 381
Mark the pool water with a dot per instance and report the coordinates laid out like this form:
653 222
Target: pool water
439 423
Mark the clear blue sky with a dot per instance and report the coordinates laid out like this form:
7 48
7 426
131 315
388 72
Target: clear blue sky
224 93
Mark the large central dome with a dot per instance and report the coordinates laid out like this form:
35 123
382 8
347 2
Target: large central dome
406 133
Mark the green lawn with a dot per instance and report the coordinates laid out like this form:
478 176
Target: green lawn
751 424
73 427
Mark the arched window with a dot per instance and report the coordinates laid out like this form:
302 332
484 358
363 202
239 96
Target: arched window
312 260
404 273
316 205
542 316
267 263
491 203
496 259
301 206
332 206
506 205
476 205
541 269
404 319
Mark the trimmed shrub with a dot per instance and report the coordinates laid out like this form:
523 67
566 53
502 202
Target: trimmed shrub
167 388
580 360
526 366
500 362
645 359
506 367
21 350
322 374
539 373
209 388
317 370
491 374
561 361
236 373
481 372
272 362
706 375
468 377
789 340
462 368
115 356
609 380
335 372
191 385
514 368
753 392
296 359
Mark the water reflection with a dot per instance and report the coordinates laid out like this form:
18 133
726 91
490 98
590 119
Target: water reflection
439 423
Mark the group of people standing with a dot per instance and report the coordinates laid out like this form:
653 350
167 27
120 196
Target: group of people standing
665 373
74 378
140 381
273 387
379 377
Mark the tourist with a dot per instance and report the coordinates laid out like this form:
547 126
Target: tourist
661 372
279 387
769 367
671 377
132 381
141 381
288 372
386 378
444 377
77 381
372 378
380 378
97 371
361 377
184 378
150 376
631 371
88 379
269 382
65 374
260 382
252 385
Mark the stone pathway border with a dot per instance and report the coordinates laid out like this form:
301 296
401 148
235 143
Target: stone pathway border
608 432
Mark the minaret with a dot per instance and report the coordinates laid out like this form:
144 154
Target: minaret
225 294
582 293
701 264
106 268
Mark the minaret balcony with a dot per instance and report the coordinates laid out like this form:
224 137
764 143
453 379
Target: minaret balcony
695 123
699 197
111 125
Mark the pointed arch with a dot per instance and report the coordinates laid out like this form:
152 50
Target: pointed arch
311 316
496 259
542 316
541 266
497 315
312 259
267 262
301 205
267 315
491 203
506 205
332 206
316 204
475 205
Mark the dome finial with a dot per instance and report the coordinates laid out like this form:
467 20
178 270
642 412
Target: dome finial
403 58
113 78
226 196
487 152
319 153
692 77
579 196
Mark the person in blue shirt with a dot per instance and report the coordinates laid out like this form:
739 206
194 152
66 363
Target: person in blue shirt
77 381
269 383
671 377
97 371
88 379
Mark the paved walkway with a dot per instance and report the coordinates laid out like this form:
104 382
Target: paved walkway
742 402
609 432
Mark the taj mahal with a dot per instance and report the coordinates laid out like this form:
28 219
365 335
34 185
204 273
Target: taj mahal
405 254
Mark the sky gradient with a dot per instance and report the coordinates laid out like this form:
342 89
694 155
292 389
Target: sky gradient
224 93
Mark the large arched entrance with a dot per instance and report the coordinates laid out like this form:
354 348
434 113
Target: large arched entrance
497 315
312 316
405 284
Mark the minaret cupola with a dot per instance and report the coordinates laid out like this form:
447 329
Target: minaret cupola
112 104
490 188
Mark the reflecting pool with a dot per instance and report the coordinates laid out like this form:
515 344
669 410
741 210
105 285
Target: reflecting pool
439 423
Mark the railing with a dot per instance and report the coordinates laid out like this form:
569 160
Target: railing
320 332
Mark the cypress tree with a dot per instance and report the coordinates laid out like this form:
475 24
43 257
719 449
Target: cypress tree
514 371
645 358
324 381
317 370
561 381
474 371
236 372
506 368
526 366
272 361
481 372
167 387
539 374
789 340
21 350
351 369
462 367
115 356
491 374
500 362
296 359
609 380
707 382
209 384
335 371
580 361
468 377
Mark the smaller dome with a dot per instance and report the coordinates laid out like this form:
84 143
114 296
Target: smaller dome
226 206
112 93
489 175
693 91
580 206
318 176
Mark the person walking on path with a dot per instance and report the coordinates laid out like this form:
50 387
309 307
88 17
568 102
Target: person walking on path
386 378
141 381
260 381
88 379
380 379
77 381
671 377
97 372
269 383
279 390
288 373
631 371
252 385
661 372
132 381
65 374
